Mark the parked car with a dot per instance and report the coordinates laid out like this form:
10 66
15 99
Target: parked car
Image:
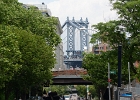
67 97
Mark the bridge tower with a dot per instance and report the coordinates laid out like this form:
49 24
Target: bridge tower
74 57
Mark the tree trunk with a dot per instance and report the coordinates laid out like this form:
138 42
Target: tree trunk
7 91
23 95
102 91
99 93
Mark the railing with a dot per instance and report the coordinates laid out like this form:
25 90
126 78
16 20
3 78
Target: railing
73 59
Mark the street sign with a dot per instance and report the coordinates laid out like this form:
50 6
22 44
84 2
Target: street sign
109 80
113 72
124 92
127 95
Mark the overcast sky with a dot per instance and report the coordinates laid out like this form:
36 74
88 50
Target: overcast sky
95 10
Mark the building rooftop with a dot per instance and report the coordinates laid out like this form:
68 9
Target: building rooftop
42 7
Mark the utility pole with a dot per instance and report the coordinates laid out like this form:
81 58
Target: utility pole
109 81
129 88
87 91
119 69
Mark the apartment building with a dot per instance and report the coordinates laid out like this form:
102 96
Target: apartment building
59 51
46 12
101 47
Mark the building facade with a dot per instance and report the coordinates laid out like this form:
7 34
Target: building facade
101 47
41 7
59 49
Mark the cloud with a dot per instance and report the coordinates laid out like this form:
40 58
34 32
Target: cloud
30 1
95 10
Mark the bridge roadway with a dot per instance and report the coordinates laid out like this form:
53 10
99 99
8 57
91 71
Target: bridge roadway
70 77
72 59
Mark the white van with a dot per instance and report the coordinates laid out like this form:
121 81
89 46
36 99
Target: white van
74 97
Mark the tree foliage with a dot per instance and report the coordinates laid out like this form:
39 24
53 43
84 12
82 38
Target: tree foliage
107 33
128 11
10 54
82 90
29 19
37 60
27 41
125 32
60 89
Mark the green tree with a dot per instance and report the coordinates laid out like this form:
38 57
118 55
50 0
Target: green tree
97 67
34 38
138 73
37 61
10 57
113 33
14 13
10 54
60 89
82 90
129 12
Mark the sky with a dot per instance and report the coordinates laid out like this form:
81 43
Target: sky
94 10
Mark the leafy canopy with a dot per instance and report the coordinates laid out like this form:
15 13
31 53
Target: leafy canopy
10 54
125 32
29 19
27 41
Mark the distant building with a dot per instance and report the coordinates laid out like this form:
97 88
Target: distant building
42 7
101 47
59 51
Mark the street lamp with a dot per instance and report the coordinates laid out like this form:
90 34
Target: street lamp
119 69
119 30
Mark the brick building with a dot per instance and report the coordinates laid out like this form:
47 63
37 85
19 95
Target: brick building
101 47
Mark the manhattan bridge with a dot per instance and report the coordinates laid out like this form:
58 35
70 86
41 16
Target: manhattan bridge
75 30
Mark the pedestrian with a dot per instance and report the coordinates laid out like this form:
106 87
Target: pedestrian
63 97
